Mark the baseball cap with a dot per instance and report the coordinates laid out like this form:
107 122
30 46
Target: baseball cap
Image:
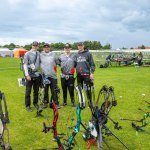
35 43
80 43
67 45
46 45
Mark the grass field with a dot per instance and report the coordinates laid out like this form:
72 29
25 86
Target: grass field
130 84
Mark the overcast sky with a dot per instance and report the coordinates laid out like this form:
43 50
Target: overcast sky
122 23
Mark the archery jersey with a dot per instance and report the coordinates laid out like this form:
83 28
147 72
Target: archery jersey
31 63
67 64
84 63
48 64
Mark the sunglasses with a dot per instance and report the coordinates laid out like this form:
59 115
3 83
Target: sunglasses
35 45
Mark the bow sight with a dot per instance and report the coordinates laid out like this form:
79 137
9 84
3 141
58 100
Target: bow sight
43 82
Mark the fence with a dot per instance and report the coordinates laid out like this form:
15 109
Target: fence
101 55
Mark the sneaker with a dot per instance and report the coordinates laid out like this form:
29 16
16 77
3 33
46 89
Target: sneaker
43 105
28 108
64 104
73 105
51 105
36 106
58 107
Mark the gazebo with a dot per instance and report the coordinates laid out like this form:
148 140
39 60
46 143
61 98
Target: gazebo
5 52
20 52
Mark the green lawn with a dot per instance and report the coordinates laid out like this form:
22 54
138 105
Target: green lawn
129 84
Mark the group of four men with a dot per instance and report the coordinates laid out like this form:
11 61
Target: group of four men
47 62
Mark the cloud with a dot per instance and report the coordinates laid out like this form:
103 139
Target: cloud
14 3
71 21
138 20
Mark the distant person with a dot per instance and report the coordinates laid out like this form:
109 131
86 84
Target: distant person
108 58
108 61
48 66
32 75
119 58
67 64
134 58
140 58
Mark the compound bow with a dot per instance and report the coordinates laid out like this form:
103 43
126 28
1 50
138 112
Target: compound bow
100 117
143 121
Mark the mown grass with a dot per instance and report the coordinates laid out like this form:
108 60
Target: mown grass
129 84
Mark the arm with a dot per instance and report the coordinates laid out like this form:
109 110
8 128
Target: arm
92 66
75 60
58 60
25 67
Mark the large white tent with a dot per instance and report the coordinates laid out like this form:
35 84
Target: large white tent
5 52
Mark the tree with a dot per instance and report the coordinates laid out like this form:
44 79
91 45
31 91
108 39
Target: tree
107 46
6 46
93 45
12 46
57 46
141 47
124 48
27 47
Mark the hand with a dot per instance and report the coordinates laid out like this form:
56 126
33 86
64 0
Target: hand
28 78
92 76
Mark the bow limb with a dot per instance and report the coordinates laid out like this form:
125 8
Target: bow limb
77 128
4 119
55 112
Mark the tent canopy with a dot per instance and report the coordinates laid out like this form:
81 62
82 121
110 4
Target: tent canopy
5 52
20 52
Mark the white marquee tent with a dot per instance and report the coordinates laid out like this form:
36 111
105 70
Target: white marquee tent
5 52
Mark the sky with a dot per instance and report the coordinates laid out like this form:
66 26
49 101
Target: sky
122 23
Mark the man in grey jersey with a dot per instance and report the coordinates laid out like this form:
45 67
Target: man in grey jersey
31 66
67 64
48 66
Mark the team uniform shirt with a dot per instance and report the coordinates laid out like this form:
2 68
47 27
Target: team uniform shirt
84 63
31 63
48 64
67 64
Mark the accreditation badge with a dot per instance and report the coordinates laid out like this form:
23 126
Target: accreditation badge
32 66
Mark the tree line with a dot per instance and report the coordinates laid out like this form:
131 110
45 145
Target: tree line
92 45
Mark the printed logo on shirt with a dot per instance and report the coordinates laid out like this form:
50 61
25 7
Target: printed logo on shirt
81 59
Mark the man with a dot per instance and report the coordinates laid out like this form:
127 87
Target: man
48 66
31 66
66 62
85 67
140 58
